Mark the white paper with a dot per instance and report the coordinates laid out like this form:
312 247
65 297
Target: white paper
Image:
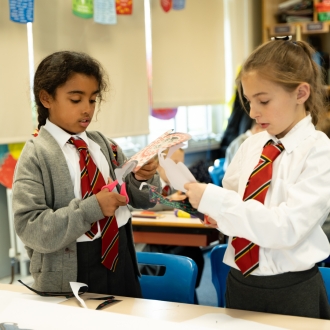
121 172
178 174
75 286
42 316
223 321
7 296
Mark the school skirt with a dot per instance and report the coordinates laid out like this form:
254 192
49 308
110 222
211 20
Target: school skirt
123 281
294 293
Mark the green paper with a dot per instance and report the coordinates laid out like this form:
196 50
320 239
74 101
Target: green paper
82 8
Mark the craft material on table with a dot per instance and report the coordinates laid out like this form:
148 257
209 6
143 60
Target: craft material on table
183 214
184 205
147 214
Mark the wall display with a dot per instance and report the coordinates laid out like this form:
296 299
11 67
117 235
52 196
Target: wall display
124 7
82 8
178 4
9 155
21 11
166 5
105 12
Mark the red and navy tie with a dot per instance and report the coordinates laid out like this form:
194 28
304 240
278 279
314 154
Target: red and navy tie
246 252
91 183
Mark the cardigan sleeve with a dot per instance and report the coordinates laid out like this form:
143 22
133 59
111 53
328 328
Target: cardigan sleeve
47 217
138 198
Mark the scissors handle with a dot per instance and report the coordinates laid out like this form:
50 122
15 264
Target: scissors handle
113 184
110 186
123 191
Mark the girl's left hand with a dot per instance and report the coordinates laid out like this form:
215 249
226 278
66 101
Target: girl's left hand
148 170
210 222
195 192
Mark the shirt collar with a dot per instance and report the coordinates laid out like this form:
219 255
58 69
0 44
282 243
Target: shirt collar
62 136
162 182
296 135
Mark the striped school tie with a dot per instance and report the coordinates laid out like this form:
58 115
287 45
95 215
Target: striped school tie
246 252
91 183
166 191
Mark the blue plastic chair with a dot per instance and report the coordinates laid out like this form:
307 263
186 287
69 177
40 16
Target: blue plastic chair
219 272
217 172
178 282
325 272
324 262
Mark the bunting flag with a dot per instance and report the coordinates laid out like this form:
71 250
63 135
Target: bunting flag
21 11
178 4
82 8
105 12
166 5
124 7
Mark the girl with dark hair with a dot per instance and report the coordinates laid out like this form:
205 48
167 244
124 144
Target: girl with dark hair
73 227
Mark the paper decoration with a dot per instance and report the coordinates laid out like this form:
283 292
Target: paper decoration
156 197
82 8
166 140
178 4
9 155
21 11
166 5
166 113
124 7
177 174
105 12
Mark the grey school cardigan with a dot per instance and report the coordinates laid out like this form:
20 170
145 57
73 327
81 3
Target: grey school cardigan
47 216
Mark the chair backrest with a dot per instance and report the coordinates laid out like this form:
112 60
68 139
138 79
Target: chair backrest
219 272
178 282
217 171
325 272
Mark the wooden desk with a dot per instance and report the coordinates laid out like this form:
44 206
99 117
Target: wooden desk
171 230
177 312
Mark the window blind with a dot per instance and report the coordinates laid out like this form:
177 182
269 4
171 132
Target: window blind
188 54
15 110
121 50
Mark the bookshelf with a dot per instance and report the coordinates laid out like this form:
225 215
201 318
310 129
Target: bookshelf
299 30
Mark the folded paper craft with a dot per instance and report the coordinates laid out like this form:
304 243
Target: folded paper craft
184 205
166 140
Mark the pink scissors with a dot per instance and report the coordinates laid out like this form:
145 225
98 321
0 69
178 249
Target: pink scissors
113 184
121 173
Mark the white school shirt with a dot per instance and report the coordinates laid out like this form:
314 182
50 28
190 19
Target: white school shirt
71 155
287 227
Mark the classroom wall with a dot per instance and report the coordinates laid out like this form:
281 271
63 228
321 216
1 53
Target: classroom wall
19 31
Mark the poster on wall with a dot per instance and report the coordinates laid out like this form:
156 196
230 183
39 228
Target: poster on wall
82 8
166 5
124 7
9 155
21 11
178 4
105 12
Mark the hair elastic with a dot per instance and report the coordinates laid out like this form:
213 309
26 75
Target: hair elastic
284 38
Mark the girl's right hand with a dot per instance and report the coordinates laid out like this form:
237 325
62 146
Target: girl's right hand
110 201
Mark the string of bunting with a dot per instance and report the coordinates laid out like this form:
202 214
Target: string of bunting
102 11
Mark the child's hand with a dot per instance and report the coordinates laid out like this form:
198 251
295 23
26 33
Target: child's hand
110 201
210 222
195 192
177 196
148 170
